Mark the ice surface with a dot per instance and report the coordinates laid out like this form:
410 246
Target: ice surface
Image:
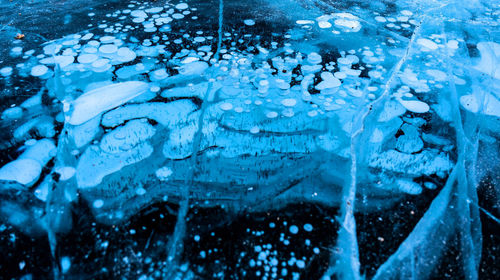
383 118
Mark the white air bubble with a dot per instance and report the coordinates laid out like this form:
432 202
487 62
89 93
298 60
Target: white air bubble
249 22
181 6
226 106
289 102
108 49
272 115
98 203
39 70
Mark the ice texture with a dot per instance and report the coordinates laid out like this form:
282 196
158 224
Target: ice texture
361 108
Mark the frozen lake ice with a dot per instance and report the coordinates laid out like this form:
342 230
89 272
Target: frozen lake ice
249 139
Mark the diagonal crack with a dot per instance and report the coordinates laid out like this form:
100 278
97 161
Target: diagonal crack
349 266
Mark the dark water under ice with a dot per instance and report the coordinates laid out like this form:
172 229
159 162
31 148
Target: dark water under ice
249 139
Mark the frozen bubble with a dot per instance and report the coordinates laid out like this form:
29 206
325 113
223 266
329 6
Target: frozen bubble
226 106
340 101
300 264
51 49
87 58
427 44
312 113
249 22
452 44
189 59
308 227
193 68
406 13
199 39
272 115
181 6
304 22
107 39
140 191
155 88
348 60
159 74
30 52
178 16
329 81
470 103
125 54
255 130
438 75
314 58
65 172
89 49
488 104
30 142
39 70
154 10
6 71
101 65
288 112
98 203
65 264
139 14
17 50
163 173
69 52
402 18
12 113
294 229
353 72
150 29
94 43
347 21
64 60
138 19
415 106
324 24
24 171
282 84
430 185
289 102
108 49
374 74
94 102
340 75
490 59
380 19
409 187
87 36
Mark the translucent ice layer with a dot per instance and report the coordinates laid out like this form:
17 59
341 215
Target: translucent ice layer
251 107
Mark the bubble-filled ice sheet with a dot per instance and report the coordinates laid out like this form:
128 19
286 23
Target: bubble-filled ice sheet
249 139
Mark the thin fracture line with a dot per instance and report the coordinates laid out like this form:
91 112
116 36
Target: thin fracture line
221 18
489 214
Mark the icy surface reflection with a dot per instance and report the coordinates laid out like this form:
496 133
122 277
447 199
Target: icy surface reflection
249 139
